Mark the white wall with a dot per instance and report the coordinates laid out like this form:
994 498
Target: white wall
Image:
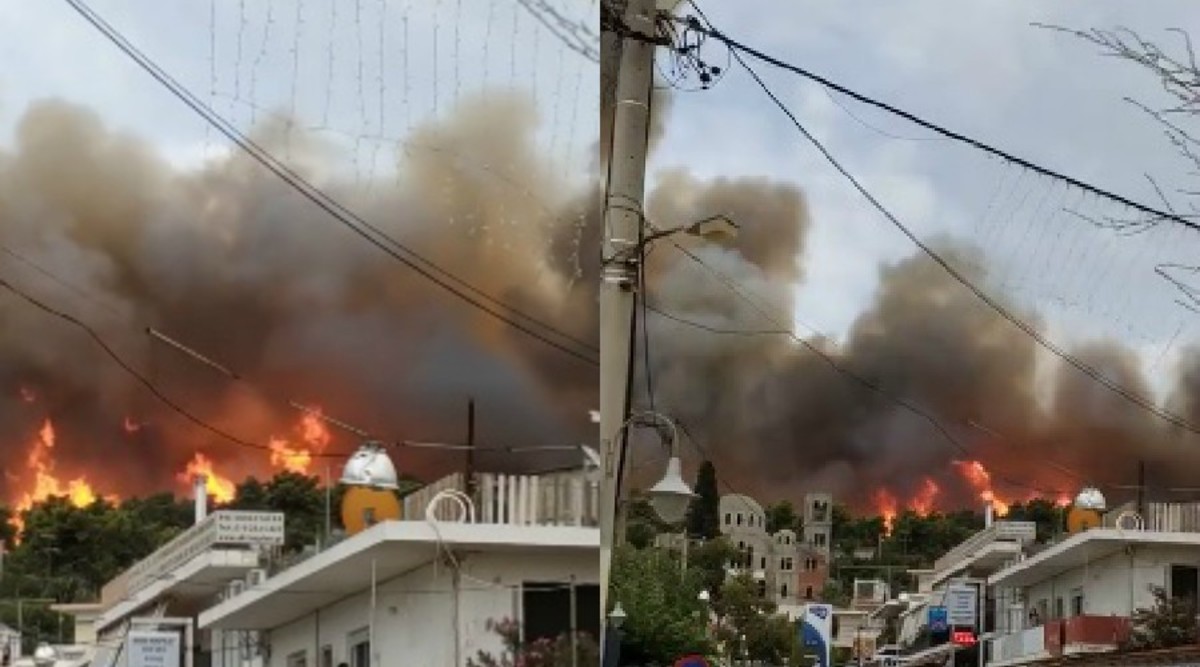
414 613
1116 585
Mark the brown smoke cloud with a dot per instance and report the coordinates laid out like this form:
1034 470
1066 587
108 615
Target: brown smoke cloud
231 261
780 421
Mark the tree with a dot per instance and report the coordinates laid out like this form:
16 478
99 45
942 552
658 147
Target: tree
1168 623
642 524
1048 516
709 561
665 618
745 613
782 515
704 512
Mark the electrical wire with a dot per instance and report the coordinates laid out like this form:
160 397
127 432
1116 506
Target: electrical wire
142 379
1129 395
371 233
739 47
874 387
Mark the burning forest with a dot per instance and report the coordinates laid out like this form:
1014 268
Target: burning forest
230 260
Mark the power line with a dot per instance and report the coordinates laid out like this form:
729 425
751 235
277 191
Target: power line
339 212
142 379
1029 330
908 406
739 47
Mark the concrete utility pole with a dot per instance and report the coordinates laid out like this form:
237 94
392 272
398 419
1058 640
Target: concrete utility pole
622 235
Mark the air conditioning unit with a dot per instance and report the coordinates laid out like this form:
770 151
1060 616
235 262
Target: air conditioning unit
236 587
256 577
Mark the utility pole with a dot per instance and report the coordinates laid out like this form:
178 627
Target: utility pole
622 235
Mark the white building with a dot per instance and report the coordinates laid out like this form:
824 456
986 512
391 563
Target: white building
424 592
788 569
395 592
1078 596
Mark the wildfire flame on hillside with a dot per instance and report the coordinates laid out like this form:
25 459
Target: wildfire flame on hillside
40 462
220 489
981 480
314 436
887 507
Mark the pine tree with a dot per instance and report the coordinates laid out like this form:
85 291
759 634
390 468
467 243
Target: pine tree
704 513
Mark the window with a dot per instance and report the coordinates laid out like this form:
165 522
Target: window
819 539
763 563
785 564
762 588
1058 608
783 591
327 656
739 518
808 594
728 518
298 659
1184 582
810 564
1077 603
547 609
358 645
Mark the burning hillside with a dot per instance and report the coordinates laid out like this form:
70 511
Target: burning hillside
235 263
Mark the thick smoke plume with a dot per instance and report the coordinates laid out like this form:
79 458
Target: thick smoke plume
779 420
231 261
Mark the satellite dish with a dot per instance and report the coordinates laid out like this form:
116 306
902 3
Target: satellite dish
1090 498
363 507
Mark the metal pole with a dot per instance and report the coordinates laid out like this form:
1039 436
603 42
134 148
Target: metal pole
469 480
574 628
622 223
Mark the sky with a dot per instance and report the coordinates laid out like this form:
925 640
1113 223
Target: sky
982 69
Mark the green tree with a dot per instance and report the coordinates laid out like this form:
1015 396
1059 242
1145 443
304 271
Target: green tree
704 512
782 515
1170 622
746 613
641 522
1049 517
665 617
709 561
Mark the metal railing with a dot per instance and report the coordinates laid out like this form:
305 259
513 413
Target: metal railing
523 500
1020 532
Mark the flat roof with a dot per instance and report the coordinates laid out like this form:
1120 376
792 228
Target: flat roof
201 577
395 547
1082 548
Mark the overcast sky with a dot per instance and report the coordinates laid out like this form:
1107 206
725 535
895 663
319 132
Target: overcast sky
980 68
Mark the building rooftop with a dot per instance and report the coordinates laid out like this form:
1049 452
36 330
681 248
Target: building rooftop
1081 549
394 548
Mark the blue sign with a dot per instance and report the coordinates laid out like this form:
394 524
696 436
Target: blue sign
815 629
939 619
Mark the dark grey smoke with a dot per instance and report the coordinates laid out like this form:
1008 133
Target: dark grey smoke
233 262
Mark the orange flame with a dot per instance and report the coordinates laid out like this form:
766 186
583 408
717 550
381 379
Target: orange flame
314 436
220 489
922 503
288 458
1063 500
981 480
46 485
886 505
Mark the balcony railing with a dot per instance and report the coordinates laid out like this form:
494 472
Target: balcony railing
235 529
567 499
1162 517
1072 636
1001 531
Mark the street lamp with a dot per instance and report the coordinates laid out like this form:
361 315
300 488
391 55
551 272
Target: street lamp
716 228
671 495
612 639
617 616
